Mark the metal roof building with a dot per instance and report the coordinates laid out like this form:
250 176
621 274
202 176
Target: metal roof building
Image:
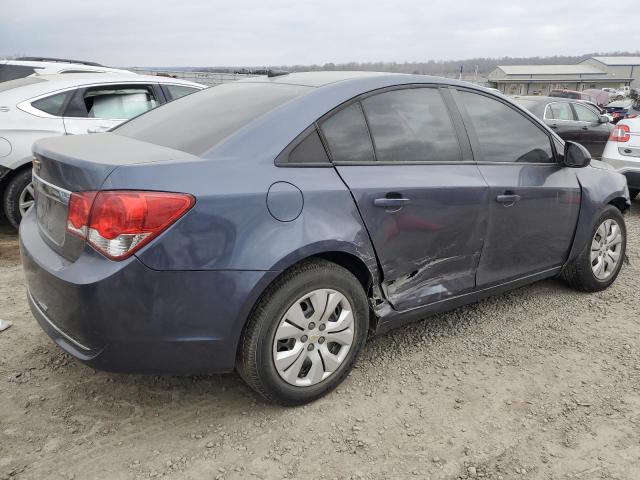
541 79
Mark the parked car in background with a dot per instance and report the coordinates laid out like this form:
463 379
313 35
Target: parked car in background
572 120
623 152
271 225
572 94
27 66
48 105
619 109
600 97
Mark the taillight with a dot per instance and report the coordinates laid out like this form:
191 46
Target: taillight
620 133
118 223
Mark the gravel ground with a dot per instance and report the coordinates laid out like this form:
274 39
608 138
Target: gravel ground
541 383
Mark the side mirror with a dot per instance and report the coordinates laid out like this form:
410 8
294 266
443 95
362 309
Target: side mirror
604 119
575 155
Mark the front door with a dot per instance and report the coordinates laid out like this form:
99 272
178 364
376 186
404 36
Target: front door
424 207
99 108
593 133
533 200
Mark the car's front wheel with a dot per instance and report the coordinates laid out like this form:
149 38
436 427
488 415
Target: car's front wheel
18 197
633 193
304 334
599 263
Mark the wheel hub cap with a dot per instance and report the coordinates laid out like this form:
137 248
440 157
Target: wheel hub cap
313 337
26 199
606 248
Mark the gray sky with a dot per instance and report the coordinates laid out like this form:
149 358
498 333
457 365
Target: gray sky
275 32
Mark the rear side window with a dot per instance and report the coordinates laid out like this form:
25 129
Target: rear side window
411 125
558 111
51 105
503 134
14 72
347 135
118 102
308 151
178 91
196 123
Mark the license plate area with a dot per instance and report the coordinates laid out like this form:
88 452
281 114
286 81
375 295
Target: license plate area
52 203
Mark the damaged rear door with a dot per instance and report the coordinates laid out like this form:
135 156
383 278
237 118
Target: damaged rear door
424 202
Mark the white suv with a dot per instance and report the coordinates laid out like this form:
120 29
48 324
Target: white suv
41 106
27 66
623 152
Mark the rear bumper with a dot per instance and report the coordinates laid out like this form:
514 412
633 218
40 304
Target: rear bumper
627 166
125 317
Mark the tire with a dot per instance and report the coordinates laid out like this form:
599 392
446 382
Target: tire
259 350
579 273
15 188
633 193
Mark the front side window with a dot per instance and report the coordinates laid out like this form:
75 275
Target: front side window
51 105
411 125
558 111
585 114
503 134
347 135
113 102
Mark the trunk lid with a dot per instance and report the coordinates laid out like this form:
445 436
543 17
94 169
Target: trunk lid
63 165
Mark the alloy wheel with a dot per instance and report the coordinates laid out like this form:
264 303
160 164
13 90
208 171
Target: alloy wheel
313 337
606 248
26 199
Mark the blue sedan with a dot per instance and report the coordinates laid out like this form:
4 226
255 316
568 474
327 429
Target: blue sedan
269 226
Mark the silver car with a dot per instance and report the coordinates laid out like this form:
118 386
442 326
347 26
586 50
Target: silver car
42 106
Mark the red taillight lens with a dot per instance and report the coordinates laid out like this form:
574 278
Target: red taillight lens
78 213
118 223
620 134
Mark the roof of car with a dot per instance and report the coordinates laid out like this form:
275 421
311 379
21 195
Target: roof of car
42 84
542 99
319 79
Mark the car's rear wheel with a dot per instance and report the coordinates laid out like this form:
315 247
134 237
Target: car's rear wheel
304 334
599 263
633 193
18 197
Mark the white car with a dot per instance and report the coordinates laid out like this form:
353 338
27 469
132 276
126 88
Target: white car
623 152
41 106
27 66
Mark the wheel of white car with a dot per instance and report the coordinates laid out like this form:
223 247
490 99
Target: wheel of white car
304 334
18 197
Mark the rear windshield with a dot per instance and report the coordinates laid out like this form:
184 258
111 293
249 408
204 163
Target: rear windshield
19 83
197 122
12 72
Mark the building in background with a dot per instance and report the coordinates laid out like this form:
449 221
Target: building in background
596 72
622 67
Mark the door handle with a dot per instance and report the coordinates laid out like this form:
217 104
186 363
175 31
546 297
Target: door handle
508 199
390 202
554 125
585 128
